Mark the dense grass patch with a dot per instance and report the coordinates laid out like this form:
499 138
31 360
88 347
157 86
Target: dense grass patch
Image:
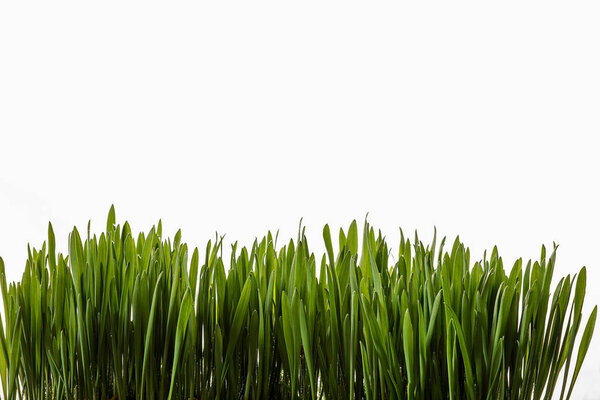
148 318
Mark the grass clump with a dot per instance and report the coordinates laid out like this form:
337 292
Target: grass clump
147 318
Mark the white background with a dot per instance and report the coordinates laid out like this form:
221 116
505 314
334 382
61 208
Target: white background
481 119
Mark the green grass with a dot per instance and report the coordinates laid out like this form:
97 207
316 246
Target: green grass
148 318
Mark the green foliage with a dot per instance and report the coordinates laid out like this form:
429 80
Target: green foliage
130 318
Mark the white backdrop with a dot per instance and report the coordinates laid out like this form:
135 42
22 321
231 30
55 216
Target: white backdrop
479 119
